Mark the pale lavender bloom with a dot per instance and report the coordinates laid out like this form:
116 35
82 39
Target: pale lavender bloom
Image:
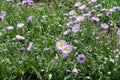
104 10
65 14
69 23
46 49
76 41
27 2
108 13
95 19
98 6
82 7
56 58
72 12
77 4
67 50
75 71
76 28
1 18
42 21
23 49
116 50
30 46
93 1
60 45
80 19
10 28
18 37
116 8
87 15
81 58
118 32
20 25
94 32
29 19
105 26
3 13
66 32
3 30
112 10
9 0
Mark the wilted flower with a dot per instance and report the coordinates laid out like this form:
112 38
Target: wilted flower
72 12
67 50
66 32
76 28
104 26
77 4
60 45
75 71
80 18
29 19
118 32
81 58
20 25
30 46
18 37
82 7
10 28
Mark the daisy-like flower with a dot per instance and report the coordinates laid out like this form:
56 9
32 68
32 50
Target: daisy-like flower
18 37
95 19
105 26
3 13
93 1
82 7
81 58
75 71
60 45
77 4
118 32
98 6
69 23
29 19
80 18
9 0
76 28
67 50
29 2
72 12
20 25
10 28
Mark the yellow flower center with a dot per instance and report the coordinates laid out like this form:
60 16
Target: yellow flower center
80 18
66 49
61 45
76 28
